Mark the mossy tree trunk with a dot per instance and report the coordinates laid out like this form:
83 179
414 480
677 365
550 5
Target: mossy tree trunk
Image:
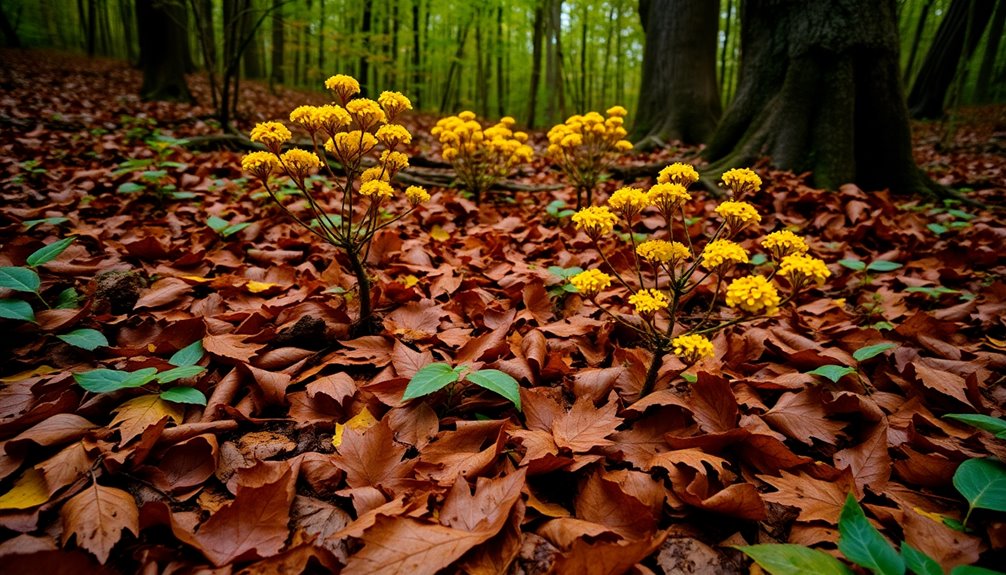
820 91
163 49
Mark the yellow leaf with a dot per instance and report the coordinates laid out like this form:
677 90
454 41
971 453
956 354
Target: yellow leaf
258 287
40 370
139 413
997 343
409 280
840 302
934 516
197 279
440 234
29 490
360 422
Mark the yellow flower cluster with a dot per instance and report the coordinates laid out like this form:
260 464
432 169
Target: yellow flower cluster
648 301
272 134
392 135
377 188
595 221
394 103
328 118
753 294
738 214
588 137
259 164
481 156
416 195
784 243
299 163
349 147
741 180
662 251
629 201
721 253
802 270
668 197
678 173
590 282
344 87
691 348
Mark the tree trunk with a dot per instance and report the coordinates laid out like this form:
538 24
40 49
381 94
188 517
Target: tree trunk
417 72
987 66
913 52
9 33
365 58
253 54
679 98
820 90
536 46
278 42
555 105
163 38
500 50
321 38
941 63
92 26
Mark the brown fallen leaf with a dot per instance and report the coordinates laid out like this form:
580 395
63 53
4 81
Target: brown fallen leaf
231 346
585 427
97 516
869 461
136 415
816 499
801 417
372 457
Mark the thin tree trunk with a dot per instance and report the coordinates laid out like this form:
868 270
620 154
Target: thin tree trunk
987 67
726 41
481 79
536 49
417 71
278 43
500 50
92 25
455 67
619 58
9 33
584 100
321 38
163 37
606 65
364 76
916 40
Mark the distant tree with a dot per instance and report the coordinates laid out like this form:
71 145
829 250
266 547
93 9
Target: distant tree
278 42
679 98
163 35
8 31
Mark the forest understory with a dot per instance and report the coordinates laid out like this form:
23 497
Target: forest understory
747 447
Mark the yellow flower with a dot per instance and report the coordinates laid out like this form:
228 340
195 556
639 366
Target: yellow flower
784 243
259 164
738 214
590 282
617 111
668 197
595 221
307 117
394 161
629 201
648 301
467 116
571 141
394 103
345 87
678 173
377 188
349 146
508 121
272 134
375 173
299 162
391 135
741 180
367 113
416 195
623 145
691 348
723 253
802 270
753 294
332 118
662 251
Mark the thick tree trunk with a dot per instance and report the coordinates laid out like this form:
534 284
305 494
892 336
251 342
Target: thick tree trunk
163 48
9 33
253 54
679 98
985 70
278 42
820 90
941 64
555 104
536 46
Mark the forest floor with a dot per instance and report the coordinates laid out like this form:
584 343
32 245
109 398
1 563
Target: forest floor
587 478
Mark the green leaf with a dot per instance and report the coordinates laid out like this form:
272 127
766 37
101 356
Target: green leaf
106 380
960 214
991 424
758 259
19 279
983 483
180 373
231 230
48 253
853 264
130 188
832 372
183 195
496 381
933 292
938 229
16 309
882 266
689 377
564 273
85 338
789 559
883 325
973 570
429 379
870 351
184 395
918 562
153 175
188 355
67 299
217 224
862 544
54 221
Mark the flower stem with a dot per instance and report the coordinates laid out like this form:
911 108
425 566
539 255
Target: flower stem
653 372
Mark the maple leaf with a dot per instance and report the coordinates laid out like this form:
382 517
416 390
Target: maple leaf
492 498
585 427
461 452
136 415
408 361
372 457
97 516
869 461
231 346
816 499
801 417
602 501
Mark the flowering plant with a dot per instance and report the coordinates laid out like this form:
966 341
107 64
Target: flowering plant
481 157
585 146
362 136
676 283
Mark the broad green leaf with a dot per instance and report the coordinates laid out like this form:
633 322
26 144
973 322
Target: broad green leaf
689 377
429 379
153 175
983 483
865 353
758 259
85 338
180 373
938 229
960 214
933 292
16 309
882 266
54 221
19 279
106 380
973 570
832 372
231 230
991 424
789 559
918 562
862 544
218 224
188 355
67 299
496 381
853 264
564 273
184 395
130 188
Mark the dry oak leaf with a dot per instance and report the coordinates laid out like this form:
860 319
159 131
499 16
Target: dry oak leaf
869 461
136 415
816 499
231 346
97 516
372 457
801 417
585 427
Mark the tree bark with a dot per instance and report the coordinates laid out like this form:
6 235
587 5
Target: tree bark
679 98
417 71
555 105
253 55
163 38
365 58
944 56
278 42
820 90
536 46
986 69
9 33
